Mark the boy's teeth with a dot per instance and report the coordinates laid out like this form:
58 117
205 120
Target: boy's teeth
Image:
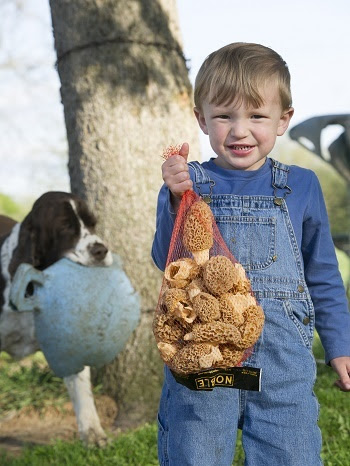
241 147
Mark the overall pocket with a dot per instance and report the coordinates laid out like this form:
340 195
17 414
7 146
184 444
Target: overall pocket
162 444
302 317
252 240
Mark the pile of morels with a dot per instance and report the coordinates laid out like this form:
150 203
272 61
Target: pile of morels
207 317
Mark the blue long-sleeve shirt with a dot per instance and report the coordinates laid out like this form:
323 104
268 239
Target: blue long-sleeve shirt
309 218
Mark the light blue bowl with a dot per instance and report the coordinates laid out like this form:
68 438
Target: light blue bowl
83 315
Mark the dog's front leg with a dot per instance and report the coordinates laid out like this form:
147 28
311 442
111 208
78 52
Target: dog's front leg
89 426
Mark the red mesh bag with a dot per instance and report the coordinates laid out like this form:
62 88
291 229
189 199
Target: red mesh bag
207 316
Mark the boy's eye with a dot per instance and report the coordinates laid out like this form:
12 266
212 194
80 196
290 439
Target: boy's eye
223 117
257 117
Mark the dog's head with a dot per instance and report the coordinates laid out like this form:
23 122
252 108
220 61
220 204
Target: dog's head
61 225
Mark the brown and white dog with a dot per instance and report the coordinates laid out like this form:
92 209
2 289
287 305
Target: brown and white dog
59 225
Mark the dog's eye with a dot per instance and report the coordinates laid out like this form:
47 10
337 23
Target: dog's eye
89 221
66 226
87 217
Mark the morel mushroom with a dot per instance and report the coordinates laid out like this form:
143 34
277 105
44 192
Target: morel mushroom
168 350
215 332
195 357
206 307
198 231
179 305
230 355
252 327
242 284
179 273
232 307
219 275
168 329
195 287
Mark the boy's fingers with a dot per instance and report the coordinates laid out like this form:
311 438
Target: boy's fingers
344 379
176 173
181 188
342 367
184 151
344 387
176 161
177 169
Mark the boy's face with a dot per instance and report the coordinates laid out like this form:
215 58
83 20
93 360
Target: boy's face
241 136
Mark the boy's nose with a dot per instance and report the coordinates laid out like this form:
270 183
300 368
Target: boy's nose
239 129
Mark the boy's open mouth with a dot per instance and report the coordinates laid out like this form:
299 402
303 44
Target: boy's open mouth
243 148
240 149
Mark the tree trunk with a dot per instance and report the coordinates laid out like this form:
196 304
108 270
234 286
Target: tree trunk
126 96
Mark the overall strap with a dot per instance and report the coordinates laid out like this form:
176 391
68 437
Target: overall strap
279 180
203 184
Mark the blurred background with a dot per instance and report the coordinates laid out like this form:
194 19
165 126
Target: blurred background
33 152
311 37
308 35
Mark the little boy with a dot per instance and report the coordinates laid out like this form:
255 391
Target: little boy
273 219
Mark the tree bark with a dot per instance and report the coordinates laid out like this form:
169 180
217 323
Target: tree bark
126 96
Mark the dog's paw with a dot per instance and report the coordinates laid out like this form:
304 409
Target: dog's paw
93 438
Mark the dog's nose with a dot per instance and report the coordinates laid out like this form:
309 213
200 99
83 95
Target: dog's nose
98 251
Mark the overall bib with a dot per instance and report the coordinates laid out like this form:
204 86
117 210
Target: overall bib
279 424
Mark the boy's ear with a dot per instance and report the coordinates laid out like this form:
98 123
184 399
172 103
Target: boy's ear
284 121
201 120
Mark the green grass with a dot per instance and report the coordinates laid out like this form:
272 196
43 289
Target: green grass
30 383
36 386
130 449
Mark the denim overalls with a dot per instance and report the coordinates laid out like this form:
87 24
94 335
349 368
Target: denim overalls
279 424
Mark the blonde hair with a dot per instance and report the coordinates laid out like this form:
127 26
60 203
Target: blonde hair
236 72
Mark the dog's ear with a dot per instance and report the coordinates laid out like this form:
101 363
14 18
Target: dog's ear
36 242
45 228
24 252
55 230
38 249
39 226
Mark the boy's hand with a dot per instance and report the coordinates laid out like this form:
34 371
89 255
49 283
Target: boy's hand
342 368
176 175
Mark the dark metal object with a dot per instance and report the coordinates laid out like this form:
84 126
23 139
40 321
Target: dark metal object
339 150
